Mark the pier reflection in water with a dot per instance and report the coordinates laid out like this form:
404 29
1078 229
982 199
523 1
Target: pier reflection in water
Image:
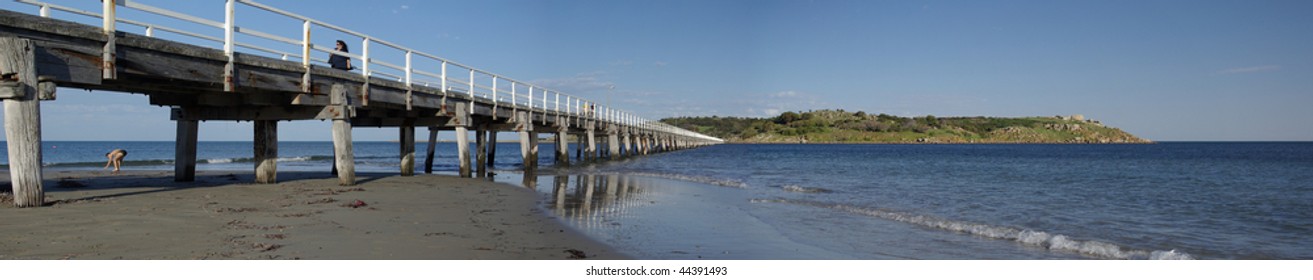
593 201
659 218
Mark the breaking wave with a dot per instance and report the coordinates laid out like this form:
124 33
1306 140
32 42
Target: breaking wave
801 189
1052 242
146 162
696 179
169 162
251 159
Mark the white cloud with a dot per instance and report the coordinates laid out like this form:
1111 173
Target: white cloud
1253 69
447 36
754 105
788 93
660 63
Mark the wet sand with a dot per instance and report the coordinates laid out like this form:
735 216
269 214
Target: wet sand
145 215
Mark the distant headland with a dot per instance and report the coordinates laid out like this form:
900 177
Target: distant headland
839 126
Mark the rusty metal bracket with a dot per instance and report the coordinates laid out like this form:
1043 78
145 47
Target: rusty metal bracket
10 87
336 112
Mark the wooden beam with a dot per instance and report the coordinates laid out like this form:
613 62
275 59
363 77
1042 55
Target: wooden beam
22 122
257 113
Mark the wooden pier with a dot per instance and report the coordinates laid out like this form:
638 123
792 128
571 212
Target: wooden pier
38 54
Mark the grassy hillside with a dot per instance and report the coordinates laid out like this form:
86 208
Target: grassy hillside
837 126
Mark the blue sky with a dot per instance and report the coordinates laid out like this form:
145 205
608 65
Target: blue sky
1164 70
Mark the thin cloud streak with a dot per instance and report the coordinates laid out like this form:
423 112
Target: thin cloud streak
1254 69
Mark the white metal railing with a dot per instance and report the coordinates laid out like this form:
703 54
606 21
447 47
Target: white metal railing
478 85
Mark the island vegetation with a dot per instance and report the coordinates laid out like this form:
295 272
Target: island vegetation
839 126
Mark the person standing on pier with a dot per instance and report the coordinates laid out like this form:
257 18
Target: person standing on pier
340 61
116 158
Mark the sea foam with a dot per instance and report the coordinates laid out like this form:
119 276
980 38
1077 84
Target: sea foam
1027 237
696 179
801 189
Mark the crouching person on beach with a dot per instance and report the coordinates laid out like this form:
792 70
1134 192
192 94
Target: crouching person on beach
115 158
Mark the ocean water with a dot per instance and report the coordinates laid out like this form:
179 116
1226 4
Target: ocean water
239 156
1158 201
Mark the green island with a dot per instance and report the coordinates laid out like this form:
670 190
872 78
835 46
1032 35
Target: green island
838 126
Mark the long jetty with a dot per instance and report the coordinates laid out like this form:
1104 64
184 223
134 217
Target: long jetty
246 81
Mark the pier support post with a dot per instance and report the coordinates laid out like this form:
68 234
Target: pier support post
591 153
602 153
407 149
562 149
628 149
184 153
428 156
463 141
22 121
647 144
463 150
266 152
492 149
579 147
528 140
481 150
533 150
343 155
638 145
613 142
562 143
660 143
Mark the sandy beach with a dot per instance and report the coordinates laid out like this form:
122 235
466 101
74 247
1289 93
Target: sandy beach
145 215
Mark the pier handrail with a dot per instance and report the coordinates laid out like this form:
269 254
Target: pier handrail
493 87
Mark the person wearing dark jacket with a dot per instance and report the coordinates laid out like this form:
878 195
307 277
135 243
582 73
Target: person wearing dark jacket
340 61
